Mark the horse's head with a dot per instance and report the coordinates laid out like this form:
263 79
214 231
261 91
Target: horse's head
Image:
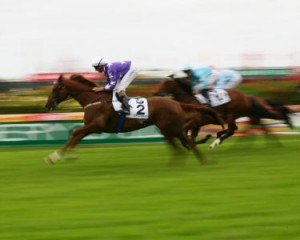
165 87
174 84
75 86
58 94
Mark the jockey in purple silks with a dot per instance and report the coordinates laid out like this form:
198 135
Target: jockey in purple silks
118 76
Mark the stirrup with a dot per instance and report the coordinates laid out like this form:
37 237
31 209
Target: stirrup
125 107
125 110
125 104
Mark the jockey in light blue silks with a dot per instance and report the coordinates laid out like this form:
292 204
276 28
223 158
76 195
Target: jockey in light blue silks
202 79
206 78
118 76
227 79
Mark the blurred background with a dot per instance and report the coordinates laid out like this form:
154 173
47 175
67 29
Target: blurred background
56 36
117 191
40 40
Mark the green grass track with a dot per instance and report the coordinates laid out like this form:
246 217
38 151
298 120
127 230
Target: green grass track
252 191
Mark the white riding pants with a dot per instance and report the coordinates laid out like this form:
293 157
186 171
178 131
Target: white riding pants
127 79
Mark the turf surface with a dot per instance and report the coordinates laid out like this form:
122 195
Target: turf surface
130 192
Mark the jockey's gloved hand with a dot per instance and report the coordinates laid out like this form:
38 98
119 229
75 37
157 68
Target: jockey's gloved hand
98 89
196 91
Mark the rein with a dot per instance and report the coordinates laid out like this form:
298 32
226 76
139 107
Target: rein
95 103
98 101
69 97
92 104
75 94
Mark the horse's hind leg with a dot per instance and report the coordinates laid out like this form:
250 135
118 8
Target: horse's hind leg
285 115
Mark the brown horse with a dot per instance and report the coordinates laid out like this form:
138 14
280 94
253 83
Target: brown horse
241 105
169 116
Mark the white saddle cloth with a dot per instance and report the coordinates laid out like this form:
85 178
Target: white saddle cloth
217 97
138 107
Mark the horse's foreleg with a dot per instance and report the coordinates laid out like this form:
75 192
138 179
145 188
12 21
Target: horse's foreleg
220 133
190 125
189 144
204 140
76 136
194 135
218 140
177 152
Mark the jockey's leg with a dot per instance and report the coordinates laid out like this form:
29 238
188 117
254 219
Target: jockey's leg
125 102
204 92
121 88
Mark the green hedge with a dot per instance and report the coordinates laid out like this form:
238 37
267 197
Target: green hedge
33 101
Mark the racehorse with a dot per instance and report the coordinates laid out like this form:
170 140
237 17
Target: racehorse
171 117
241 105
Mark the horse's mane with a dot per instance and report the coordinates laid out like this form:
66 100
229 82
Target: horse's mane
81 79
185 84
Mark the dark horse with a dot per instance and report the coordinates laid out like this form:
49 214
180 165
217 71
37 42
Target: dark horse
241 105
171 117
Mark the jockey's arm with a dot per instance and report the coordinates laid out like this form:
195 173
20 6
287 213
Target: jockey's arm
211 80
197 88
111 83
112 80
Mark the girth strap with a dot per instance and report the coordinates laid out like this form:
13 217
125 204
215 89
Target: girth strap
121 122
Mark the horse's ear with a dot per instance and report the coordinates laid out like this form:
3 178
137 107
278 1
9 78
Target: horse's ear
60 78
75 76
171 76
180 74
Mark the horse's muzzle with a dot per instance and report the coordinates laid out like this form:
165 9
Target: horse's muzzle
50 106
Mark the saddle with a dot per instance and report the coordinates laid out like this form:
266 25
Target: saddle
214 98
138 107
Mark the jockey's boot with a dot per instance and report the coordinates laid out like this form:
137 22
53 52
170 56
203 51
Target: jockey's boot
125 102
204 92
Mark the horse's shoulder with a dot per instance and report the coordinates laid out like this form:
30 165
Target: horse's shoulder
233 91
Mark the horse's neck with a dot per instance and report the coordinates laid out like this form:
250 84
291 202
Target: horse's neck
185 98
85 98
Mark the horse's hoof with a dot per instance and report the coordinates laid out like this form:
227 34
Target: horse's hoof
52 158
48 160
211 146
71 157
214 144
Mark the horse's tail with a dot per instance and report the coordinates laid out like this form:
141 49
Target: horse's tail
203 110
279 111
283 109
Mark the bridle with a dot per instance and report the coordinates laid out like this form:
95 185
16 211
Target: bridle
56 91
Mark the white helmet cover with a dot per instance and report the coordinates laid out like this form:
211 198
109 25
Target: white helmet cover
180 74
97 61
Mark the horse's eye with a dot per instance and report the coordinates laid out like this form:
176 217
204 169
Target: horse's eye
55 89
